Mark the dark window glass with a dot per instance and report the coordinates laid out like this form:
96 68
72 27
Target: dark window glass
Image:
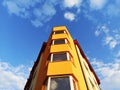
59 32
59 56
60 83
59 41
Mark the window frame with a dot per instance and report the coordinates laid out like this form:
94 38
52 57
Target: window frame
67 56
71 81
59 32
53 41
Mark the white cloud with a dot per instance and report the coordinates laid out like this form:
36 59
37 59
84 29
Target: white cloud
100 29
43 14
19 7
36 23
113 9
109 39
88 16
97 4
118 54
13 8
27 9
38 12
109 73
69 16
12 78
72 3
97 33
104 29
113 44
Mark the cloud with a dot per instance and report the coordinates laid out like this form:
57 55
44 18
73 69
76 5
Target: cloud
109 74
113 9
12 78
13 8
100 29
97 33
36 23
43 14
97 4
69 16
38 12
110 38
118 54
19 7
72 3
112 42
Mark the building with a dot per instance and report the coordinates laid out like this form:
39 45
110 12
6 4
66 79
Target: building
62 65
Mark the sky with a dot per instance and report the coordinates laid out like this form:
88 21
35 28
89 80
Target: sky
26 24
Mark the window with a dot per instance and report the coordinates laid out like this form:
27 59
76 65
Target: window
59 56
59 32
60 83
62 56
59 41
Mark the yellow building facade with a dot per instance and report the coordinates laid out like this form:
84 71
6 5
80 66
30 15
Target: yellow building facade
62 65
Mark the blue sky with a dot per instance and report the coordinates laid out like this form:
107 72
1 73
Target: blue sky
26 24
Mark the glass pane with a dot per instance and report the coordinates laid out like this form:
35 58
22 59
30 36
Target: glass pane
59 32
60 83
60 41
59 57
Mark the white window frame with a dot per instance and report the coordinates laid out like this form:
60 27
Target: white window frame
51 58
68 56
58 31
70 79
48 83
53 42
71 83
66 41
